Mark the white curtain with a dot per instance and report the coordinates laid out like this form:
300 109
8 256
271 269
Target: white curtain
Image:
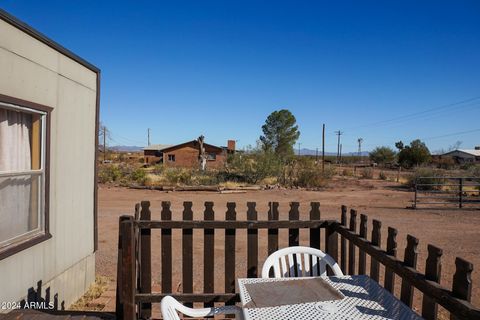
15 155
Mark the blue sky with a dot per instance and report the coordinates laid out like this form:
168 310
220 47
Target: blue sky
218 68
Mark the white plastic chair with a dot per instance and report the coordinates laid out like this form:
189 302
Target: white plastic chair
307 260
170 308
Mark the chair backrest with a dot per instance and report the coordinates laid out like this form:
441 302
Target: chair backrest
299 262
170 308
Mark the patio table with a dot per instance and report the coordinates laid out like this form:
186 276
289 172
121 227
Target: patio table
363 299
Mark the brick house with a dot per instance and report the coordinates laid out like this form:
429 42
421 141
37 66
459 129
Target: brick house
186 154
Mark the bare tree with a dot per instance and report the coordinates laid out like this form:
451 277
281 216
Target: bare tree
202 157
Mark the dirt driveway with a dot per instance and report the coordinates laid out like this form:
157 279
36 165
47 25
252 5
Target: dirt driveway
455 231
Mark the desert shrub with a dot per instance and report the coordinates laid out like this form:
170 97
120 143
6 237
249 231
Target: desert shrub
122 174
414 154
303 172
138 175
382 175
178 175
445 163
109 173
431 176
158 169
382 155
474 171
347 172
367 173
252 167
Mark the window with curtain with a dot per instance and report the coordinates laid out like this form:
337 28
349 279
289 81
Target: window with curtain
22 174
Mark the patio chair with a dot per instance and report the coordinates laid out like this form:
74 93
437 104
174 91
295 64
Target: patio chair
310 257
170 308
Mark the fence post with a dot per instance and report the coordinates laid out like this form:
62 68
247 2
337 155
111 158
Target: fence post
128 274
166 247
392 251
410 260
376 241
145 309
343 242
208 252
120 271
362 256
315 232
187 251
462 281
433 269
252 243
351 249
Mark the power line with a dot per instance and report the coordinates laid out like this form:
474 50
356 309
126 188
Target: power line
411 116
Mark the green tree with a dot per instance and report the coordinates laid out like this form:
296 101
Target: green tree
382 155
280 132
414 154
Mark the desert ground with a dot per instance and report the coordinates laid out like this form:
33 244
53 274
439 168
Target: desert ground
455 231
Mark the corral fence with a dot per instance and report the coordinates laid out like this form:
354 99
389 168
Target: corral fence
447 192
352 250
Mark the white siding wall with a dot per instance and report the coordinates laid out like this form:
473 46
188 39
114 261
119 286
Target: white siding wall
32 71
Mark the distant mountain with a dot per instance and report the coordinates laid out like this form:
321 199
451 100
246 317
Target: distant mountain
126 148
310 152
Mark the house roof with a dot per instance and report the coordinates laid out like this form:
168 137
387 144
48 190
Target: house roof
472 152
157 147
190 142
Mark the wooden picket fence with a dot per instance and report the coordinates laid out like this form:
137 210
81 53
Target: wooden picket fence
342 242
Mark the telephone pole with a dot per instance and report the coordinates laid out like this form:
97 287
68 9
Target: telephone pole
338 133
340 159
316 156
299 144
104 142
148 135
323 149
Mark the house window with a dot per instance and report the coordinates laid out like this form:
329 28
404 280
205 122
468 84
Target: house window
23 176
212 156
171 157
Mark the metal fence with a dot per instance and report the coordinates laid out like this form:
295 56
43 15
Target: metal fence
447 192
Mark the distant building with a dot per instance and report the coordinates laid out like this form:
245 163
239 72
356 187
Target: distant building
464 155
186 154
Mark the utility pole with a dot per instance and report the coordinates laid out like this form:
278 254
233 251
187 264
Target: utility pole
299 144
148 135
360 140
323 149
104 142
316 156
340 153
338 133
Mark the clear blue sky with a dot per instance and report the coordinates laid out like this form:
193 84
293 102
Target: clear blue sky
218 68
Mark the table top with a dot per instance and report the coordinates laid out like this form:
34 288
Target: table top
364 299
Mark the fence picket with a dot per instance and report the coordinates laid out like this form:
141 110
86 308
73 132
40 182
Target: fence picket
410 260
362 256
351 249
208 252
230 253
433 269
166 237
187 251
145 272
343 242
462 281
315 232
252 243
392 251
376 241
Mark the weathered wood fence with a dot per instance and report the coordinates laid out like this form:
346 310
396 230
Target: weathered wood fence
341 241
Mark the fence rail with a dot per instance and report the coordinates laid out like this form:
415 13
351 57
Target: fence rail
342 242
461 192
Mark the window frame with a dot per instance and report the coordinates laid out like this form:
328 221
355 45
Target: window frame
171 157
36 238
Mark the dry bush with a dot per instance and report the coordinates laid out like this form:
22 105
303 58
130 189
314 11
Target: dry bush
367 173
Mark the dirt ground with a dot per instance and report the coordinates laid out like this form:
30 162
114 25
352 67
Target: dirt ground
455 231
